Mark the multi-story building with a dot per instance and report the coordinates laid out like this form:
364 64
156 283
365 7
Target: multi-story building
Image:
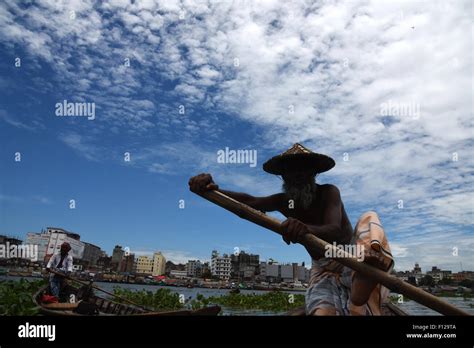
220 265
128 264
105 262
49 242
414 276
58 236
194 268
463 275
22 251
159 264
244 266
91 254
286 273
301 274
271 271
205 270
144 265
10 240
289 273
438 274
41 240
117 256
154 266
417 269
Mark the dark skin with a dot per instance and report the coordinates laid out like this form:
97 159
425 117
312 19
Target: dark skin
64 250
325 218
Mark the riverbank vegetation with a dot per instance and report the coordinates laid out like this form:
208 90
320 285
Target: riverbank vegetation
164 299
16 297
161 299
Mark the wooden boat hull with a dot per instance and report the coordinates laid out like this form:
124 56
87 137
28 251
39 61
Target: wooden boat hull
111 308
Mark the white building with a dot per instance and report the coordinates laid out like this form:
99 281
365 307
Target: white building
49 242
41 240
289 273
286 273
272 270
58 238
301 274
220 266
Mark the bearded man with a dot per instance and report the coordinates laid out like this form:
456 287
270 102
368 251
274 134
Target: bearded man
318 209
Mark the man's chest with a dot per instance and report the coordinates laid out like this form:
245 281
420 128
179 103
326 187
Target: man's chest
314 215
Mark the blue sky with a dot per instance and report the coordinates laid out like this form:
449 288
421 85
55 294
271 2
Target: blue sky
258 77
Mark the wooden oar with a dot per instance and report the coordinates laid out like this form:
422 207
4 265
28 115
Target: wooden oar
97 288
317 247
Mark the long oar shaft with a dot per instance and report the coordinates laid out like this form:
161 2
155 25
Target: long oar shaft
317 247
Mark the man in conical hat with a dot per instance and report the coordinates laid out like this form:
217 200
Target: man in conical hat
318 209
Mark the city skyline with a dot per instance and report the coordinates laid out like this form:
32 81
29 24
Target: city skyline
185 260
168 87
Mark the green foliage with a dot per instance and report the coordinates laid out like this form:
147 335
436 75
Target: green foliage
274 301
199 302
16 297
162 299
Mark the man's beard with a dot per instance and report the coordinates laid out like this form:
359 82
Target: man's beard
302 195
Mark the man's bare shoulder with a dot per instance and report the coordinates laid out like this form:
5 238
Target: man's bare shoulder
330 191
329 187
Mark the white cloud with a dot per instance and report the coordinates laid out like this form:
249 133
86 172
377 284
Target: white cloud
42 199
81 145
335 64
17 199
14 121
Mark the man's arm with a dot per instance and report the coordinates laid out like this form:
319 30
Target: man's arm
69 264
50 262
330 230
269 203
204 182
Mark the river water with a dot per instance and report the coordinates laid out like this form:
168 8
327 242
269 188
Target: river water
411 307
